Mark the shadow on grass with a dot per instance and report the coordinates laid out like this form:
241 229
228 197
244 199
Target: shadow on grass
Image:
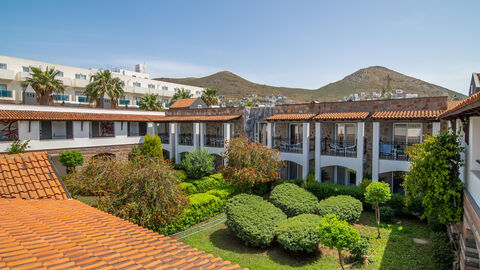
284 257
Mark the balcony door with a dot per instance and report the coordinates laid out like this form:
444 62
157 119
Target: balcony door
407 134
295 133
345 134
262 133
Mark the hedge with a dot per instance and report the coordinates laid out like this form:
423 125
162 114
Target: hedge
293 200
386 213
299 234
345 207
222 193
442 251
325 190
204 184
253 219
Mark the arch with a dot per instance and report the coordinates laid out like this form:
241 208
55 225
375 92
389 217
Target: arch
339 175
385 166
291 170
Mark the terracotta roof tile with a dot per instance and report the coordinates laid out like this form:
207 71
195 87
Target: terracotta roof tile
421 114
75 116
291 116
342 116
183 103
468 101
200 118
29 176
67 234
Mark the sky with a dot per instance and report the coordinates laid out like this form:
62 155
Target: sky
305 44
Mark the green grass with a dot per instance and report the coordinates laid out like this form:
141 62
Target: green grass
395 250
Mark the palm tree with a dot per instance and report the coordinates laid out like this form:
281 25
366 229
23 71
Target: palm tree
151 103
181 94
209 96
103 83
44 84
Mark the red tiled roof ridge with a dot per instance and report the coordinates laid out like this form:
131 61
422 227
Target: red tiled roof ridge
183 103
342 115
470 100
291 116
200 118
407 114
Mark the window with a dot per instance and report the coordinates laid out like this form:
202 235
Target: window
410 133
151 86
26 69
137 100
4 92
102 129
295 133
80 76
60 74
137 128
124 102
198 93
56 130
165 88
137 84
3 66
346 134
81 97
262 133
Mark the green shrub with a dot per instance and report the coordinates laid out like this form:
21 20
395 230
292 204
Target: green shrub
361 249
415 207
397 203
152 146
222 193
386 213
365 182
209 182
345 207
298 181
253 219
71 159
442 251
181 175
325 190
199 163
18 147
188 188
299 233
293 200
310 176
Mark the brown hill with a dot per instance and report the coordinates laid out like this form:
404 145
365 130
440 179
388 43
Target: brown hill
367 80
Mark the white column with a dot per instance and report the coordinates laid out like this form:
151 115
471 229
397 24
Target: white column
202 134
29 130
227 131
335 173
375 150
461 138
318 151
306 149
360 147
177 139
171 139
196 135
436 128
151 128
270 134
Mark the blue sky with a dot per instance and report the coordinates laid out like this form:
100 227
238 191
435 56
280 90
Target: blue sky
285 43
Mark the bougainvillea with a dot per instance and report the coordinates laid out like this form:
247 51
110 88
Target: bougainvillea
249 163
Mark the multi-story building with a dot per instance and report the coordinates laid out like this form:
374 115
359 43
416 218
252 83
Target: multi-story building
13 71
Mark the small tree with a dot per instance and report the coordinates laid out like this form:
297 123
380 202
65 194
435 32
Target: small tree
250 163
198 163
150 102
336 233
209 96
152 146
375 194
434 175
18 147
70 159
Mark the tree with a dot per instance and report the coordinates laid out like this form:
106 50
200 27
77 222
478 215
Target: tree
102 83
336 233
44 84
434 175
199 163
71 159
209 96
152 146
151 103
180 94
250 163
375 194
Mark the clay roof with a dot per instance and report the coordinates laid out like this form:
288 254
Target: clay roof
74 116
183 103
67 234
291 116
420 114
342 116
29 176
464 103
200 118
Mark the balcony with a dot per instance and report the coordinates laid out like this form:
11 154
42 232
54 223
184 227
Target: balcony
7 94
185 139
212 140
165 137
284 145
82 99
66 81
6 74
137 89
396 150
80 83
343 148
59 98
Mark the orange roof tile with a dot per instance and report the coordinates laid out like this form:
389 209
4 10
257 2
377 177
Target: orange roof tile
342 116
291 116
67 234
29 176
468 101
74 116
200 118
183 103
421 114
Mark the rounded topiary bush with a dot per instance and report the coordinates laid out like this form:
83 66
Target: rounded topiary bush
293 200
299 234
253 219
386 213
345 207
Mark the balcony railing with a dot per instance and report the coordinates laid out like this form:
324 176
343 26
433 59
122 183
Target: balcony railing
165 137
185 139
284 145
339 148
396 150
214 140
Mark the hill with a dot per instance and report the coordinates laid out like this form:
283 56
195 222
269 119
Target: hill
367 80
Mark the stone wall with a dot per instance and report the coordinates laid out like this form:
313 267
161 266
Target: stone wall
254 114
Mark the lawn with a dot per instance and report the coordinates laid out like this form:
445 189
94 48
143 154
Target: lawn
395 250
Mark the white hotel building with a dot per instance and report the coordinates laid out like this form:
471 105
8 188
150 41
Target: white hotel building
13 71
